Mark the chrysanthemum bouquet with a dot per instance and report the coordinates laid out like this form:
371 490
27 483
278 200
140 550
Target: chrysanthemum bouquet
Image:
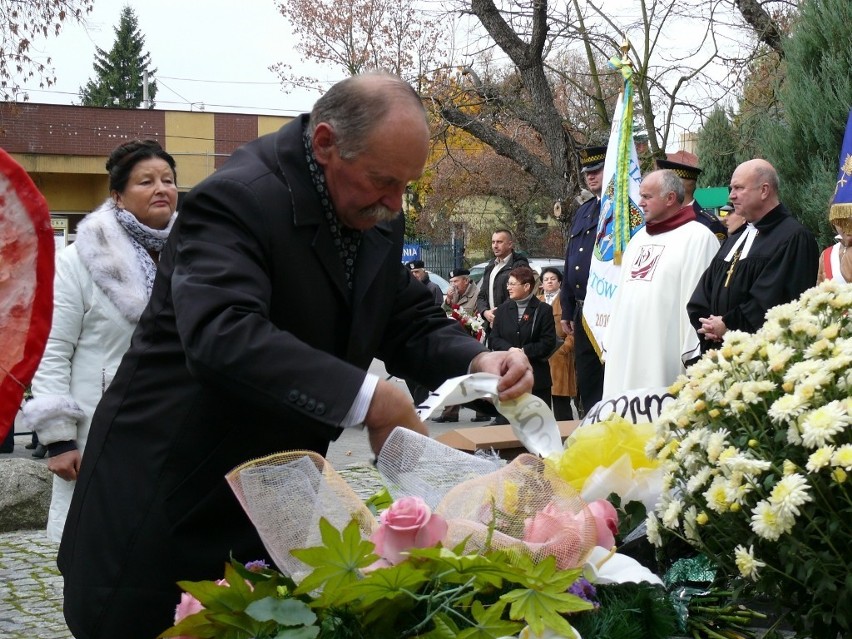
756 451
472 325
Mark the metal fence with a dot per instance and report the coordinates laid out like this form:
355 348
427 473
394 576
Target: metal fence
442 258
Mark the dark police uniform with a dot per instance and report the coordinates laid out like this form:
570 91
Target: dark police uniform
578 258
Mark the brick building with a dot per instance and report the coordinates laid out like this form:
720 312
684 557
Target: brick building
64 148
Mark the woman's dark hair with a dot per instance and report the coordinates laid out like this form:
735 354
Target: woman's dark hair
124 157
554 270
523 275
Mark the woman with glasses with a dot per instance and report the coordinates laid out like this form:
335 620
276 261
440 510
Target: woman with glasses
526 324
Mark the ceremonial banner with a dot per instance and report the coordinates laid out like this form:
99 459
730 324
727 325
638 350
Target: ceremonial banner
620 216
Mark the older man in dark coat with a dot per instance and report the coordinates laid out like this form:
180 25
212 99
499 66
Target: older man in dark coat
280 283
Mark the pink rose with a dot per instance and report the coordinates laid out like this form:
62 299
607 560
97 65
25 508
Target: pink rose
606 520
188 605
408 523
559 532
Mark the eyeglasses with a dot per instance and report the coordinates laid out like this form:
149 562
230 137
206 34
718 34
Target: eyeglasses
514 284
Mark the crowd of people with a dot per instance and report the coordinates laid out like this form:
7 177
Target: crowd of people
176 355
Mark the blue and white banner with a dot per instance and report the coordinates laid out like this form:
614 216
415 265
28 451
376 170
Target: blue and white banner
620 215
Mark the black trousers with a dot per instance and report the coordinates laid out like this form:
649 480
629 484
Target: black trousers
590 370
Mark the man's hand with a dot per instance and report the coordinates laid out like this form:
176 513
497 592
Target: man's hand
712 328
66 465
488 315
513 368
391 407
567 327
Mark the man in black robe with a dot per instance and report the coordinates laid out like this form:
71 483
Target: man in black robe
772 262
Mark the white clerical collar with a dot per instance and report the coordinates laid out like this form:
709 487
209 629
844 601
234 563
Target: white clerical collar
743 243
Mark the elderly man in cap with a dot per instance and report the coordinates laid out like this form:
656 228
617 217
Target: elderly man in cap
418 270
689 176
463 292
578 258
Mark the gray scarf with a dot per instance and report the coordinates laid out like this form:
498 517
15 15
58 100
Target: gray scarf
144 239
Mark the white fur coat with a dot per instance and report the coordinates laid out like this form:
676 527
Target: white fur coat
99 294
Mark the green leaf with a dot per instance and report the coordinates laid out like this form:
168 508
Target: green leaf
542 610
287 612
305 632
379 501
337 562
485 569
385 583
445 628
489 623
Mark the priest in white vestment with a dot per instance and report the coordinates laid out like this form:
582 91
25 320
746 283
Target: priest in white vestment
650 337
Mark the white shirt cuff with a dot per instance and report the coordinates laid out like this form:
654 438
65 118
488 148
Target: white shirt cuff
358 412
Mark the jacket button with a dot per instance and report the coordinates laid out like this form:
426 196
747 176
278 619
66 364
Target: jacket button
293 395
576 268
576 286
311 404
581 249
320 409
303 399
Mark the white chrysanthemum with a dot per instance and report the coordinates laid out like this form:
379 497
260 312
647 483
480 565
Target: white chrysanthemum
800 371
794 434
805 325
818 349
842 457
690 528
743 463
652 525
782 314
820 458
768 522
819 426
671 516
698 479
787 407
789 493
746 562
717 495
716 443
778 355
751 391
695 437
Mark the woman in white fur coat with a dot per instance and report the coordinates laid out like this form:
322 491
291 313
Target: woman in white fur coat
102 284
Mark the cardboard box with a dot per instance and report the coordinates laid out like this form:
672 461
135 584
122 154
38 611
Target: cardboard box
500 438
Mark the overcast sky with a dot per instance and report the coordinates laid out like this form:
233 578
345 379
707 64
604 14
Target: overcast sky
217 53
220 49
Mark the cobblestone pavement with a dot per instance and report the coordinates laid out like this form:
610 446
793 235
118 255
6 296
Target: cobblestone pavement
31 586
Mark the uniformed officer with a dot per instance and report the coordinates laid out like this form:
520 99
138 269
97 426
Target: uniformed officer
688 174
578 257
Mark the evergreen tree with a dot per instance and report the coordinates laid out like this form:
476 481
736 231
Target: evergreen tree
118 81
805 144
717 148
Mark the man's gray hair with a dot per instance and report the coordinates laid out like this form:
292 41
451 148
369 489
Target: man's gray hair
671 183
354 106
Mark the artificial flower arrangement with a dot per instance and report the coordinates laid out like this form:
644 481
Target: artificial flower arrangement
756 450
506 551
472 325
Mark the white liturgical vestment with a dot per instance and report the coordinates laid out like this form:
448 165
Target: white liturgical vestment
650 336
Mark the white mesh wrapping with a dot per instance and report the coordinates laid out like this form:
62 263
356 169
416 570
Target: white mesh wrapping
483 500
414 465
285 495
